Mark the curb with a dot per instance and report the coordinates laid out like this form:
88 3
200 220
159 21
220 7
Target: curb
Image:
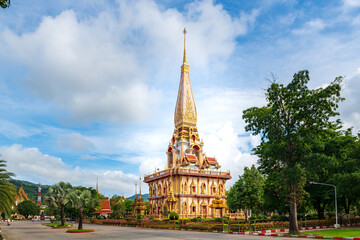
80 231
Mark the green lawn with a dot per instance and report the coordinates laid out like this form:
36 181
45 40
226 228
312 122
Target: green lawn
346 232
54 224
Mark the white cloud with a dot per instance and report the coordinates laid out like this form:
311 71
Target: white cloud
74 141
102 68
312 26
13 130
32 165
348 4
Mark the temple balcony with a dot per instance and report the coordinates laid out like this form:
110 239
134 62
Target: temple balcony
187 172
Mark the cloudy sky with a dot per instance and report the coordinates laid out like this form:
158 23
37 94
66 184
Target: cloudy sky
88 88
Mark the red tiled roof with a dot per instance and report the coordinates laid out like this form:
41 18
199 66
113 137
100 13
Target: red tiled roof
190 156
210 159
105 206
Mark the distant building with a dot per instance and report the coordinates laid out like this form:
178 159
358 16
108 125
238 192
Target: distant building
104 208
21 196
192 184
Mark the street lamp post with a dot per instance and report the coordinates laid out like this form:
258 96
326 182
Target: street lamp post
336 214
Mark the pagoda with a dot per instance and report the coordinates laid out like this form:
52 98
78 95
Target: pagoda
138 205
21 196
192 184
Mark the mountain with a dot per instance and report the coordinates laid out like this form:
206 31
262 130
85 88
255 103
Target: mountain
144 196
31 189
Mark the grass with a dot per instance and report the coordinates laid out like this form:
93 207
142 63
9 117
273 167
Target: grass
58 225
346 232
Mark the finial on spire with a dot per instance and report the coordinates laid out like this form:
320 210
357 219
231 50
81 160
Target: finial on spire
97 184
184 59
140 186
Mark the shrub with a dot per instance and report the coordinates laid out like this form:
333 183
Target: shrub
217 220
283 218
174 216
139 216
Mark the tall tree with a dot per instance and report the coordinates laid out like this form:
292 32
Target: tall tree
81 199
7 190
57 197
288 125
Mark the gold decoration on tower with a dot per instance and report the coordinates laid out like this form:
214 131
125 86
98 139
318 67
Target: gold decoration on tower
185 110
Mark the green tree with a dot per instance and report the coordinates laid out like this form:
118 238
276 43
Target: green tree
57 197
7 190
80 199
253 191
4 3
128 206
347 176
322 167
248 191
275 197
234 198
118 206
28 208
288 125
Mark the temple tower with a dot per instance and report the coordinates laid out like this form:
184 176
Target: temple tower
191 180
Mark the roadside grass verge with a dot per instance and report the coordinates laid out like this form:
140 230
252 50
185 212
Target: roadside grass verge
346 232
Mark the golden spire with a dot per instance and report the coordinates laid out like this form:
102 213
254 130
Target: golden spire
184 58
185 110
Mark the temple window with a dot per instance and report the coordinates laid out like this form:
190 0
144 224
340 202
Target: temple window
194 209
203 188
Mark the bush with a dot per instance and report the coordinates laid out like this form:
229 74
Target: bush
139 216
174 216
283 218
217 220
275 217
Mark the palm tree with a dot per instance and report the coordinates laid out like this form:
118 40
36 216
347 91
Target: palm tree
57 197
7 190
79 199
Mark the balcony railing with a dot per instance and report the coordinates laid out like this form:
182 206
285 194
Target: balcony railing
187 171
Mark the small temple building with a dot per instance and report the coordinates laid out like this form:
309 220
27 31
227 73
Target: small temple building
192 184
104 208
21 196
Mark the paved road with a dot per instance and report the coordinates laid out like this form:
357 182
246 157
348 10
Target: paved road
34 230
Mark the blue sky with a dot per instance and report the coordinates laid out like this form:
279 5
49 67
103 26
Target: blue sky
88 88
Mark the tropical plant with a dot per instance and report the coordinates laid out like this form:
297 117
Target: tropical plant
80 199
57 197
7 190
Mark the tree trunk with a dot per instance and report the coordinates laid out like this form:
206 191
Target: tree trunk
320 210
80 219
347 206
62 215
293 224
